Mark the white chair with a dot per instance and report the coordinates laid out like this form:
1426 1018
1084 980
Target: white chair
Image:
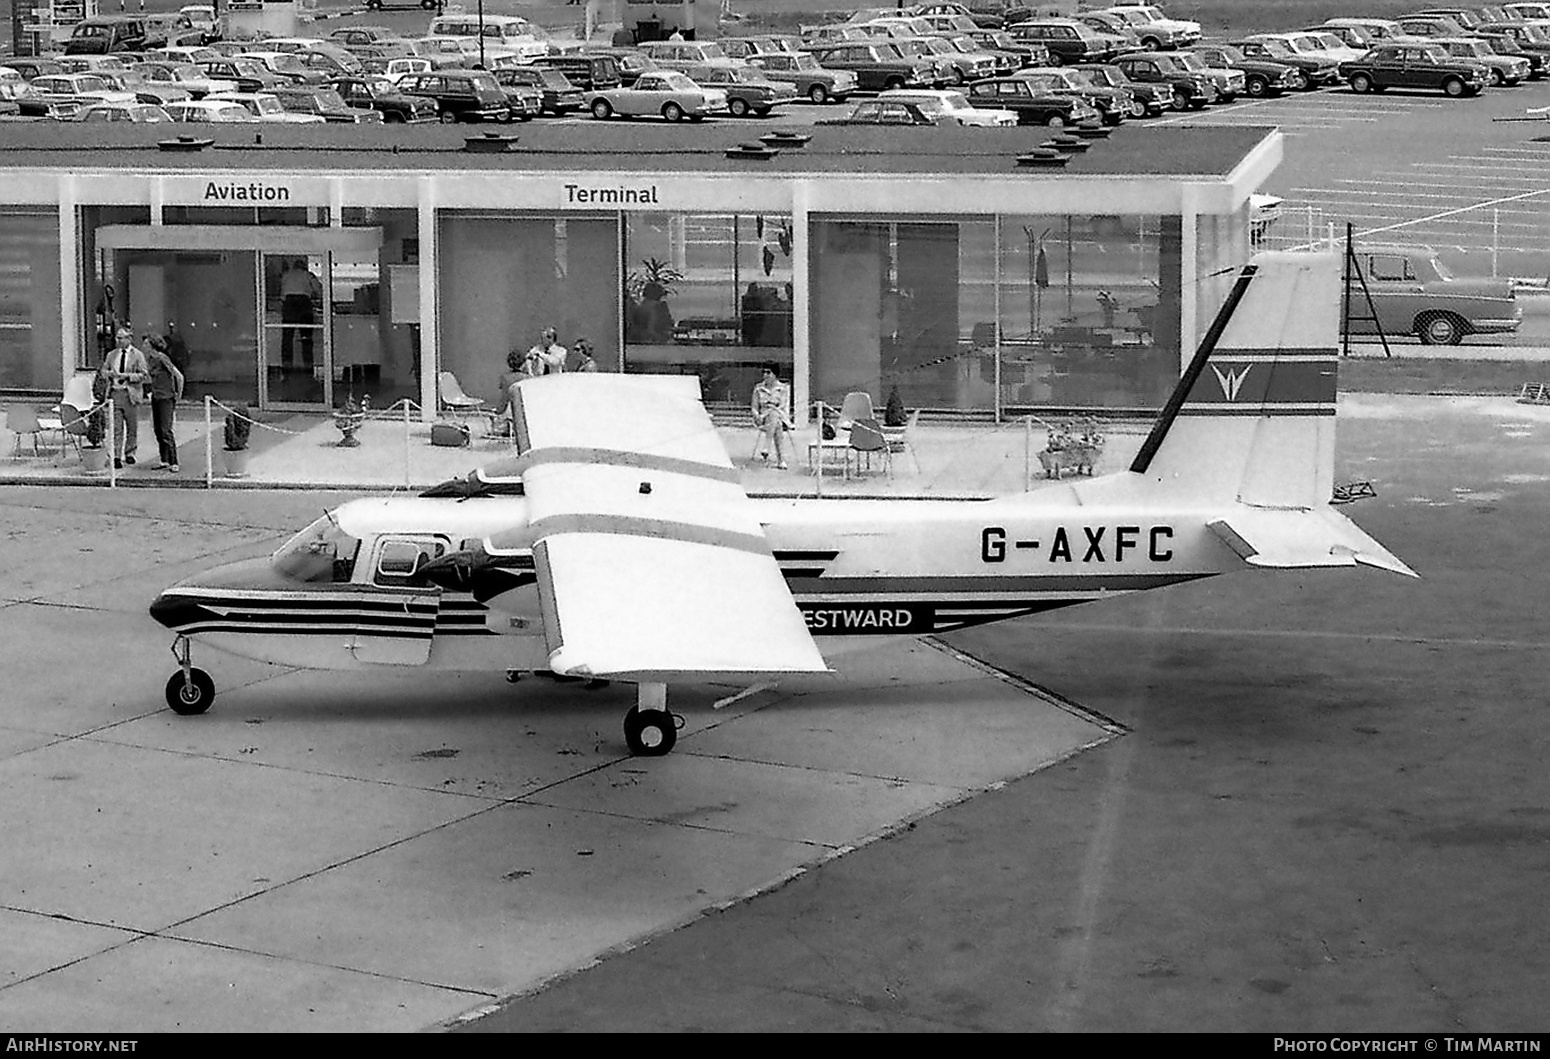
901 439
857 406
454 401
22 419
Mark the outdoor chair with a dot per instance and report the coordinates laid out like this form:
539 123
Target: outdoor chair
22 419
901 439
866 438
72 424
454 401
857 406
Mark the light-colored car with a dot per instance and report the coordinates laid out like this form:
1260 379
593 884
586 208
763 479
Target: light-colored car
1505 70
1375 28
182 54
669 93
748 89
65 95
209 112
950 107
202 16
683 55
266 106
1155 29
186 76
286 65
807 76
130 112
1413 293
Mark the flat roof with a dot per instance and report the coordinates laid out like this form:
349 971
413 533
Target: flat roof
1175 151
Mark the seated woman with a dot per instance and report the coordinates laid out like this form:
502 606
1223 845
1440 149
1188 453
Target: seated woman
772 416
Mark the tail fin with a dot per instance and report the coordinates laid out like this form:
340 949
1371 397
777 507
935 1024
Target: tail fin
1253 416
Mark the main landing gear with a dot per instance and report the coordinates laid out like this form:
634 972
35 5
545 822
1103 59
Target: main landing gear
189 690
650 729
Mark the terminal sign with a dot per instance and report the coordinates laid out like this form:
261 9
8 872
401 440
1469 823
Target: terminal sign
610 195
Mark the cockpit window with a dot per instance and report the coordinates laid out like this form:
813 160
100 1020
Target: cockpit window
320 553
398 561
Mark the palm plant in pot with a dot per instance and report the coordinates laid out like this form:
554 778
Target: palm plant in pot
239 422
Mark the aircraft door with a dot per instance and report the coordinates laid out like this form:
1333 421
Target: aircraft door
398 624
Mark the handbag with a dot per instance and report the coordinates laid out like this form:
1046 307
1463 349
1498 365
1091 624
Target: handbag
449 435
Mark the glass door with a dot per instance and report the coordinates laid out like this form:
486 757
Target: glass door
297 345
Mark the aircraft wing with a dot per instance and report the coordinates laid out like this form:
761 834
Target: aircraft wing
1302 538
651 563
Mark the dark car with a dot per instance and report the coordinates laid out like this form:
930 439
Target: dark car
1113 105
325 102
1032 104
525 101
1531 41
1145 100
1316 72
882 112
246 74
460 95
1190 88
1068 41
1414 293
1029 53
590 73
1414 64
1261 77
748 90
807 76
382 95
556 94
876 68
632 63
109 33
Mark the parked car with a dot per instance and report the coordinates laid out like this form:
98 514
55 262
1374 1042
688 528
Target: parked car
669 93
944 71
1067 40
1376 29
31 66
524 101
130 112
66 95
683 54
265 107
180 53
1146 100
586 72
286 66
380 94
378 39
875 68
1414 64
1527 40
975 61
109 33
145 90
1029 53
1430 26
748 89
1506 70
1112 26
459 95
982 17
556 94
952 107
186 76
1155 29
1230 82
631 62
247 75
1413 293
806 76
1032 104
1113 105
209 111
1190 88
1261 77
393 69
882 112
1316 73
325 102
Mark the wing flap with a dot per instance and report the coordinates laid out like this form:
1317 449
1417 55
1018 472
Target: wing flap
1310 538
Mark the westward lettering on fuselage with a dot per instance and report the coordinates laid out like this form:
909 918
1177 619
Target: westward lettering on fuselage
254 192
857 619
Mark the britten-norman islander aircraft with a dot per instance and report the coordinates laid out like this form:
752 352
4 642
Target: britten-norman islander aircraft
618 544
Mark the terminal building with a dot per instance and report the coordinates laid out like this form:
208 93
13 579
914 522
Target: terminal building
298 266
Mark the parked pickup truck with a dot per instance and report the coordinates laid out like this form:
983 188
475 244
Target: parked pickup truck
1415 294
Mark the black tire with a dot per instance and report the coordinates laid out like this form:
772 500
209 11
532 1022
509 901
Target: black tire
1180 99
1258 87
1439 329
818 94
1055 121
958 78
1498 78
738 108
192 698
1055 59
1137 108
1299 81
1151 44
602 109
448 118
650 733
1454 86
672 111
1361 83
391 118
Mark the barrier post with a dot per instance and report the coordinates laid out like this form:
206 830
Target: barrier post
406 442
1027 453
113 450
209 448
818 463
1496 235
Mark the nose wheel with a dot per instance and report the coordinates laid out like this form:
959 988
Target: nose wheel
190 690
650 729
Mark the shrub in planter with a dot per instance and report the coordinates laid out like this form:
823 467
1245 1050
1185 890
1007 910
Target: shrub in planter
239 422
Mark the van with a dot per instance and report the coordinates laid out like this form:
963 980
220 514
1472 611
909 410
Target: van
590 73
509 32
104 34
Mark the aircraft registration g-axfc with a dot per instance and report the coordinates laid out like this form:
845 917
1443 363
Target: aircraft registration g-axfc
618 543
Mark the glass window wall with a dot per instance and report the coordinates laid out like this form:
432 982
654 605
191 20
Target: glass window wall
29 301
709 295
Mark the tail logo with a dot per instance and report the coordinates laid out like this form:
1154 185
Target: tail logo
1231 381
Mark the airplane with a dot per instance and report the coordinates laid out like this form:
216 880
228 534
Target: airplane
618 544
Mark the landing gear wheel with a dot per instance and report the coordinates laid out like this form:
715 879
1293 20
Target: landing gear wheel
191 696
649 733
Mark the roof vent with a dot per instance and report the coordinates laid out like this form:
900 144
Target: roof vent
785 138
1067 143
1046 157
185 143
755 151
490 143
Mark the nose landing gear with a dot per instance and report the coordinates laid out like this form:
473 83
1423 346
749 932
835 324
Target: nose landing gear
189 691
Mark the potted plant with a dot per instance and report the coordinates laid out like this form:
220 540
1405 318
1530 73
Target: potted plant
239 421
93 455
648 319
349 419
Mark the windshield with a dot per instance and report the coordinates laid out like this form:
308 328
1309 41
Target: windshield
321 552
1329 40
265 105
806 62
1276 47
1231 55
289 63
957 101
1192 62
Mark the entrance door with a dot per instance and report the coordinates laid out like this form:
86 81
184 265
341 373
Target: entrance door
296 344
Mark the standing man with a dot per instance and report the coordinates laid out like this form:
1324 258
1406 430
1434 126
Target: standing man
125 370
298 288
177 347
166 391
548 356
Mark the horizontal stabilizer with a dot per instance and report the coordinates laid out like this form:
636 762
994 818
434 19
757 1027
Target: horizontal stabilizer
1290 539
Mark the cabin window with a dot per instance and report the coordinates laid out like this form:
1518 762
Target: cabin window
1390 267
399 561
